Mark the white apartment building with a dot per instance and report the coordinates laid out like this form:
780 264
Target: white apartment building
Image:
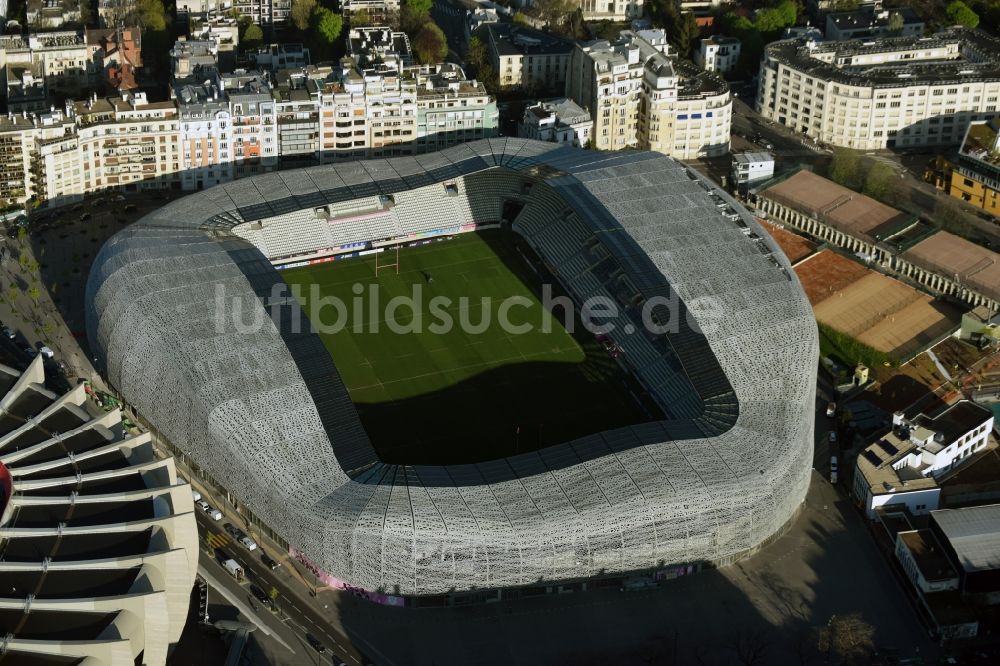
206 135
557 121
611 10
377 9
876 94
59 59
904 466
718 54
223 127
450 108
264 12
641 97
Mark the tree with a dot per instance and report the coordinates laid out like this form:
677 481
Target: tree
686 32
777 18
960 13
429 44
253 36
34 294
361 18
420 7
844 167
521 18
849 638
553 12
328 24
151 15
476 54
301 12
896 23
878 181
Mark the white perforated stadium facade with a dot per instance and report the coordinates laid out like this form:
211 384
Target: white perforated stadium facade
266 414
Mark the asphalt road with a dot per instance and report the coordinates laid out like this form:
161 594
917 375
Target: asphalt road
297 615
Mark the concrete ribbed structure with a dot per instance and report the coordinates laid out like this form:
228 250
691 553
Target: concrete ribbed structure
264 412
98 541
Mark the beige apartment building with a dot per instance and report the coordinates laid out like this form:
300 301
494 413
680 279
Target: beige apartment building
641 97
128 143
237 125
58 61
885 93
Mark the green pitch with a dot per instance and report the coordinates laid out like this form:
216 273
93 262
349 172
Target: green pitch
429 393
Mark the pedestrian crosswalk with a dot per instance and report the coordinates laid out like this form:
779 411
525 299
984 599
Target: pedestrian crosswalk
218 539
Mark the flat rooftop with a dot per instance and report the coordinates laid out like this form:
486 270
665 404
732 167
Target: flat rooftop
953 256
928 554
840 207
955 421
974 534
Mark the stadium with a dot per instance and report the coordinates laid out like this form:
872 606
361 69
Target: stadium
553 457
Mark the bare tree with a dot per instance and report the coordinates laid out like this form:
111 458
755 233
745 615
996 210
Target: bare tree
849 638
751 646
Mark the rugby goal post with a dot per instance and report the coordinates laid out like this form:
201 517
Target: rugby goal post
394 264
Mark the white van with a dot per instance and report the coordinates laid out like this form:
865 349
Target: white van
234 569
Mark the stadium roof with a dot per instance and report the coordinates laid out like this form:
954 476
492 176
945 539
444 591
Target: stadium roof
266 414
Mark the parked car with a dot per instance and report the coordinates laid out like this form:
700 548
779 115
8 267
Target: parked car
260 595
84 217
268 562
831 409
833 436
248 543
29 350
316 645
232 529
195 495
210 511
833 469
9 334
118 198
45 351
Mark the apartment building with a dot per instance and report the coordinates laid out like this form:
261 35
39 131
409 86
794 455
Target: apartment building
868 22
975 177
221 127
206 135
450 108
128 143
639 96
718 53
905 466
876 94
378 10
59 60
524 57
16 144
557 121
255 122
611 10
50 13
264 12
379 48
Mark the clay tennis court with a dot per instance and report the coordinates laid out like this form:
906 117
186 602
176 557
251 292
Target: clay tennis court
794 246
881 312
826 273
